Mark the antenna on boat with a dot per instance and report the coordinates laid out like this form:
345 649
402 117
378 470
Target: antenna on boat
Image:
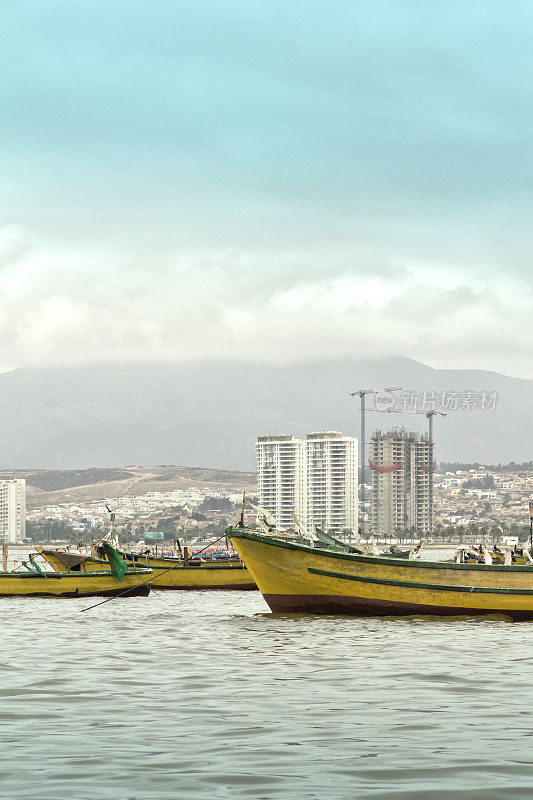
241 521
301 528
112 516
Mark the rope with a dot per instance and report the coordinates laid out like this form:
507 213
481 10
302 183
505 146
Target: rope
175 566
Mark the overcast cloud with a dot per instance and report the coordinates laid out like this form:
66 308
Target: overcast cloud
266 181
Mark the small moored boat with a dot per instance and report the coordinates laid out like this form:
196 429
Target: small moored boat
116 580
297 575
169 573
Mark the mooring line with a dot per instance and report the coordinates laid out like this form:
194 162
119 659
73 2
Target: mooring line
174 566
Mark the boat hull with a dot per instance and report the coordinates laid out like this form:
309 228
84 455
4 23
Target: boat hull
375 607
73 584
172 575
297 578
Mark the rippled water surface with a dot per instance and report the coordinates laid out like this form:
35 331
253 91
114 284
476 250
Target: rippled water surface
209 695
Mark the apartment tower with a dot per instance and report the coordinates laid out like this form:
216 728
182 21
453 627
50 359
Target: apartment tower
400 464
282 477
331 460
12 510
315 478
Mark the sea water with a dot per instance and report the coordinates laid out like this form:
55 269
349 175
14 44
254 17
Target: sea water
209 695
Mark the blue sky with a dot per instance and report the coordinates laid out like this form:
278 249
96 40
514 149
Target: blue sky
176 177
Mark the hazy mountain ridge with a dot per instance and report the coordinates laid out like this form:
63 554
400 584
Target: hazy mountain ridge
209 414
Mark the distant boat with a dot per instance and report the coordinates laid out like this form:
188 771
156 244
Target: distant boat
116 580
492 555
169 573
302 576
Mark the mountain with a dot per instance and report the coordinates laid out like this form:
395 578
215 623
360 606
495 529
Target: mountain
209 414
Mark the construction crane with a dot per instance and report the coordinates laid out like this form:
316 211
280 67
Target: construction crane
429 414
361 394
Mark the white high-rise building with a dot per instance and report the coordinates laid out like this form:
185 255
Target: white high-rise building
281 473
315 478
12 510
332 501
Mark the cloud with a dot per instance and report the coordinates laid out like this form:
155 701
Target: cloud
58 308
14 244
267 181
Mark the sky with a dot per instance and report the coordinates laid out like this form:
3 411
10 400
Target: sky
266 181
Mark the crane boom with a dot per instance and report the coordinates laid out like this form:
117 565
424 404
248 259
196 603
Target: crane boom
361 394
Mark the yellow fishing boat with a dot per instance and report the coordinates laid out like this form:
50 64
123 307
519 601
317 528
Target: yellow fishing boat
169 573
115 580
299 576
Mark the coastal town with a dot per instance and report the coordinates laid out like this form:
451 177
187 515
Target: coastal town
471 502
189 515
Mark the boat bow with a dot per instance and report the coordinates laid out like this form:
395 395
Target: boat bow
294 576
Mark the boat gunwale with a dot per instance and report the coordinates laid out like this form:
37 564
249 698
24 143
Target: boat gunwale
74 574
243 533
145 566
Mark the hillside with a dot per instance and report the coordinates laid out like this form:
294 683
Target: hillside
47 487
209 414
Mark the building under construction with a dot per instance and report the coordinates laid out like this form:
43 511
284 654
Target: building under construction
402 466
